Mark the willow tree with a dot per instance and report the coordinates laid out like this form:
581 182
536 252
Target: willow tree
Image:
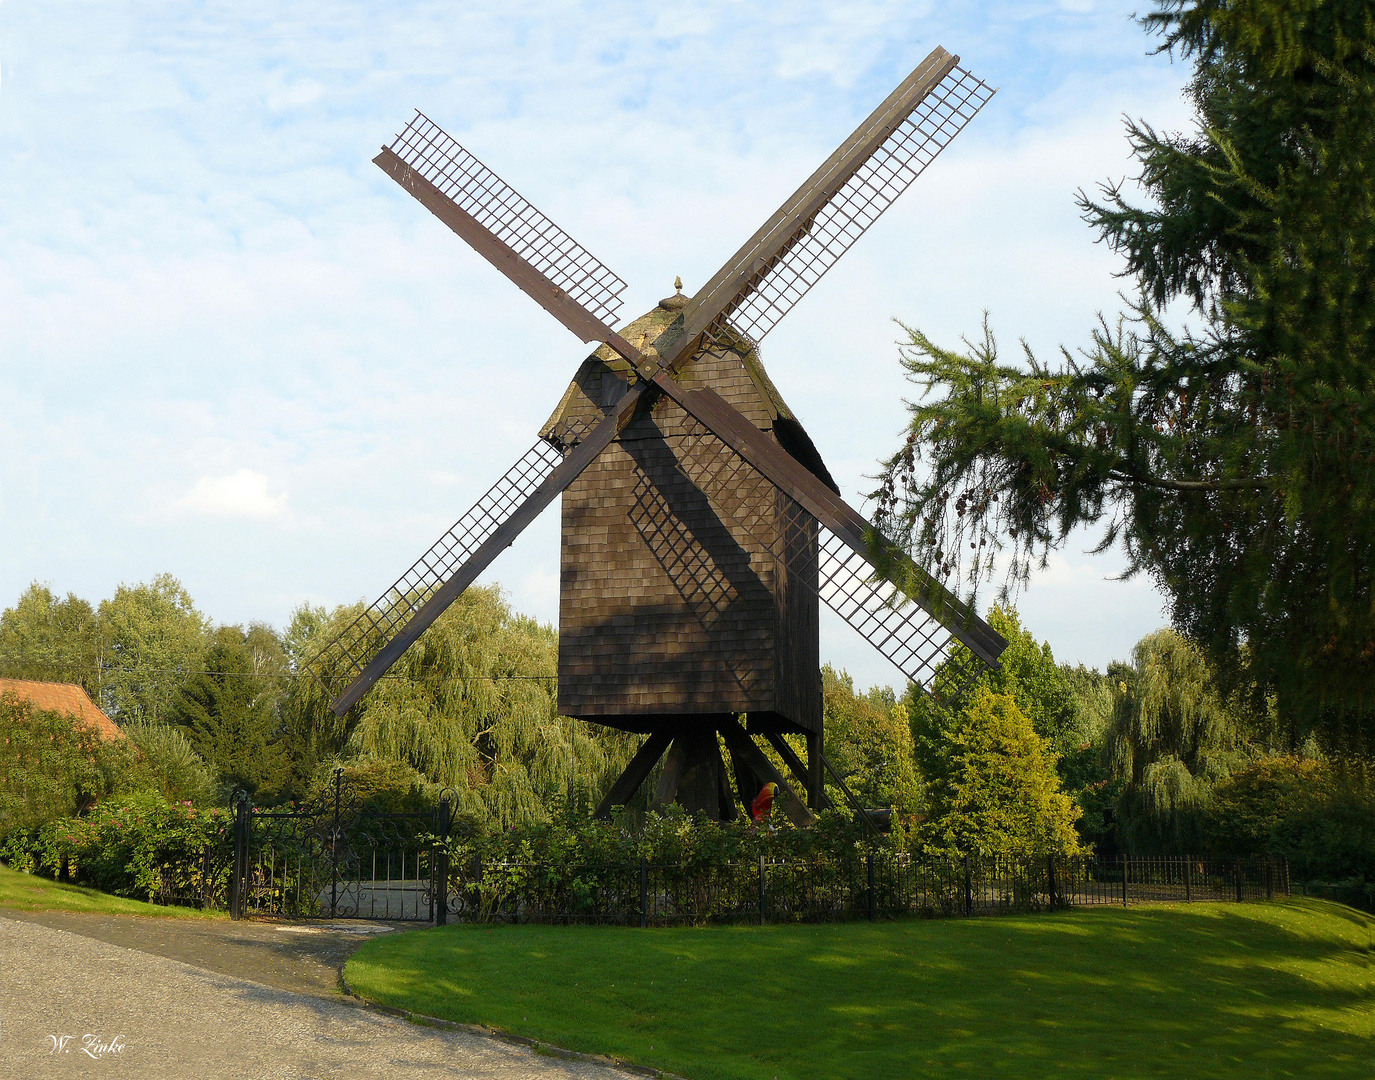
472 706
1174 738
1235 464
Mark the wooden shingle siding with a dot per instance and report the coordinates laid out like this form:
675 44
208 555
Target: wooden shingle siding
672 604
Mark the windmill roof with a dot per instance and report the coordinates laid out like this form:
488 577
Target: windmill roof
642 331
63 698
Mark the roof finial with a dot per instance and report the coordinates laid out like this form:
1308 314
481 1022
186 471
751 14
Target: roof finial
678 283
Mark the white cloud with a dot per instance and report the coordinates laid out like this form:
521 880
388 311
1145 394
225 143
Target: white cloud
241 494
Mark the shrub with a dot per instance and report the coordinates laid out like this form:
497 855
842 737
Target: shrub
146 848
1305 810
51 766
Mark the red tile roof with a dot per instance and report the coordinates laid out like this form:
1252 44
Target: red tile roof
64 698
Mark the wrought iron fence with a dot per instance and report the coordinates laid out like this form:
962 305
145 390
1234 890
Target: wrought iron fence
334 857
827 888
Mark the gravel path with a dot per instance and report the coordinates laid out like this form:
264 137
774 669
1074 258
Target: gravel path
171 1020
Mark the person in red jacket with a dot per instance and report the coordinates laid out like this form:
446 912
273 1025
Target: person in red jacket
763 802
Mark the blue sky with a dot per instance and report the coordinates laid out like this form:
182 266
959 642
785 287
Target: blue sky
232 349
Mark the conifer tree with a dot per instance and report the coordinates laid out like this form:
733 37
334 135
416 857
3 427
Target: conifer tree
1235 464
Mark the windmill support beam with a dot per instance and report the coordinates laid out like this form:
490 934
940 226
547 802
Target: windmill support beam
816 795
816 770
740 744
641 765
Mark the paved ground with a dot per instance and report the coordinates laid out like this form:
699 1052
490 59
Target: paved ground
68 999
305 958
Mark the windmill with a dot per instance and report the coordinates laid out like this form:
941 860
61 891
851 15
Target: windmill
700 527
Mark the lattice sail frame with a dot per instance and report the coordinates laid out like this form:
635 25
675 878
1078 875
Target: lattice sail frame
344 659
916 643
774 289
430 151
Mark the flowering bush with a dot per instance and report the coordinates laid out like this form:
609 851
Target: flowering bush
145 848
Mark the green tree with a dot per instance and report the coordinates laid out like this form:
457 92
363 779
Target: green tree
166 764
228 714
869 742
50 639
1236 464
472 706
151 637
1174 737
996 792
312 736
51 766
1318 816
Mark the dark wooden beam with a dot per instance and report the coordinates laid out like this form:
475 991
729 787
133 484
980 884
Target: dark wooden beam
641 765
734 280
675 765
815 799
568 470
529 280
816 771
738 742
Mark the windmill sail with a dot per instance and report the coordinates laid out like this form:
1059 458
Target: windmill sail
917 634
827 214
753 290
363 652
504 228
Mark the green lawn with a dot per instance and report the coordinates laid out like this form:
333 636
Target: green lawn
29 892
1199 992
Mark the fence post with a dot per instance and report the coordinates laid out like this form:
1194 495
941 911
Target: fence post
1238 873
873 900
1189 880
1050 880
644 893
238 883
968 889
1126 869
334 846
439 866
761 890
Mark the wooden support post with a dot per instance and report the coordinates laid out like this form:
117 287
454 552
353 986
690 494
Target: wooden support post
741 745
815 799
623 790
816 771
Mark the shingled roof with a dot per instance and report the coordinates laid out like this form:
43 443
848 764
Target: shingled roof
649 326
63 698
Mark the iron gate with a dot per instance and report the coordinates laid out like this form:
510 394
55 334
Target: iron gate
335 857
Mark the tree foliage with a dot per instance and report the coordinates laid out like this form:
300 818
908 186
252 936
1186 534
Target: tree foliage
1235 463
50 639
151 636
227 711
869 742
1174 737
996 791
472 705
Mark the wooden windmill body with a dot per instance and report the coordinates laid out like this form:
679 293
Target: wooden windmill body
675 615
701 529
